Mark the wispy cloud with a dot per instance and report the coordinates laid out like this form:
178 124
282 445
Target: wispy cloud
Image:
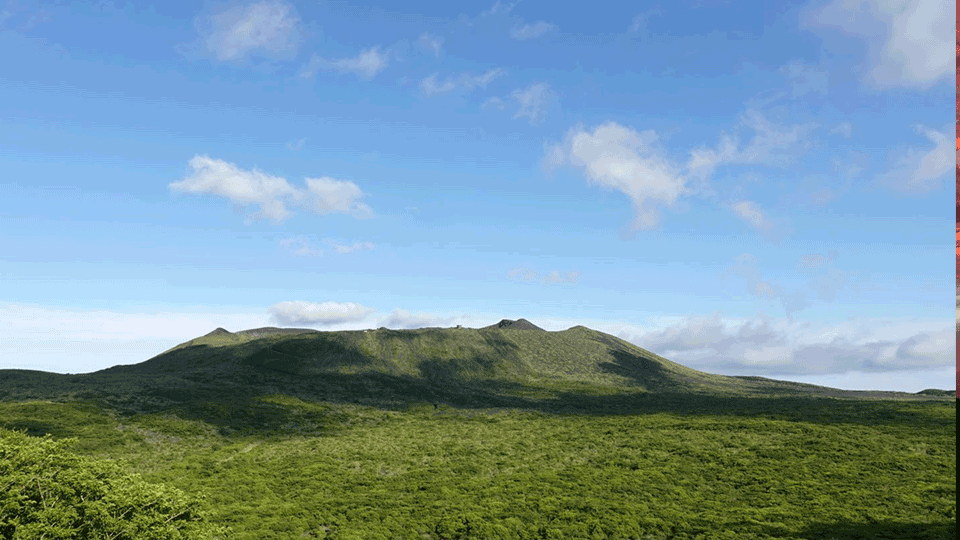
908 41
843 128
319 314
641 20
498 8
296 145
231 34
366 65
747 268
552 278
272 194
804 78
431 86
345 248
431 43
749 212
300 246
921 171
533 102
771 145
530 31
493 102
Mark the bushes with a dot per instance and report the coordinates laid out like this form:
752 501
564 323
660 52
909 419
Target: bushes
47 492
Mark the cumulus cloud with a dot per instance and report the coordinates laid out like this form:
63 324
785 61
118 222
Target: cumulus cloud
431 86
908 41
272 194
921 171
552 278
533 102
319 314
344 248
265 27
620 158
366 65
430 42
300 246
530 31
762 347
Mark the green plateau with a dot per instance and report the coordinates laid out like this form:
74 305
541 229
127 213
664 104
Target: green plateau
503 432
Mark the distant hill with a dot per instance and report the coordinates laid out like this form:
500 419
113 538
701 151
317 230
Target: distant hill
508 364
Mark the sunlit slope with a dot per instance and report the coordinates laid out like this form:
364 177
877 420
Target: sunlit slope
441 356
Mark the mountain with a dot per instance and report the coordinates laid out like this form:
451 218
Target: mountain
511 364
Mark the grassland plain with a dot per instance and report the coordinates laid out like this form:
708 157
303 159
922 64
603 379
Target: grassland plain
503 432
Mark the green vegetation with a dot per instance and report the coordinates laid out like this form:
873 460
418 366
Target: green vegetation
48 492
498 434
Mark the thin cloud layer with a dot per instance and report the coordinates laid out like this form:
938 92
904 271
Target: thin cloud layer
273 194
908 41
431 86
345 248
318 314
530 31
554 277
366 65
431 42
271 26
300 247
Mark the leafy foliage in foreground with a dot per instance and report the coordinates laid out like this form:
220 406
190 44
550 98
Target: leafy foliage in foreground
756 468
49 492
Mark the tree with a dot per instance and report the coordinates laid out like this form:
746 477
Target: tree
48 492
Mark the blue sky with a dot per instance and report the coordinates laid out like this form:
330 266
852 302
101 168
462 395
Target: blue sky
746 188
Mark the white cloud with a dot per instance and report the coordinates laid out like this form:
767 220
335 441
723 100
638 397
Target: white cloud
531 31
764 348
400 318
344 248
430 85
271 193
300 246
533 102
270 26
431 42
918 171
908 40
617 157
554 277
366 65
296 145
843 128
320 314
